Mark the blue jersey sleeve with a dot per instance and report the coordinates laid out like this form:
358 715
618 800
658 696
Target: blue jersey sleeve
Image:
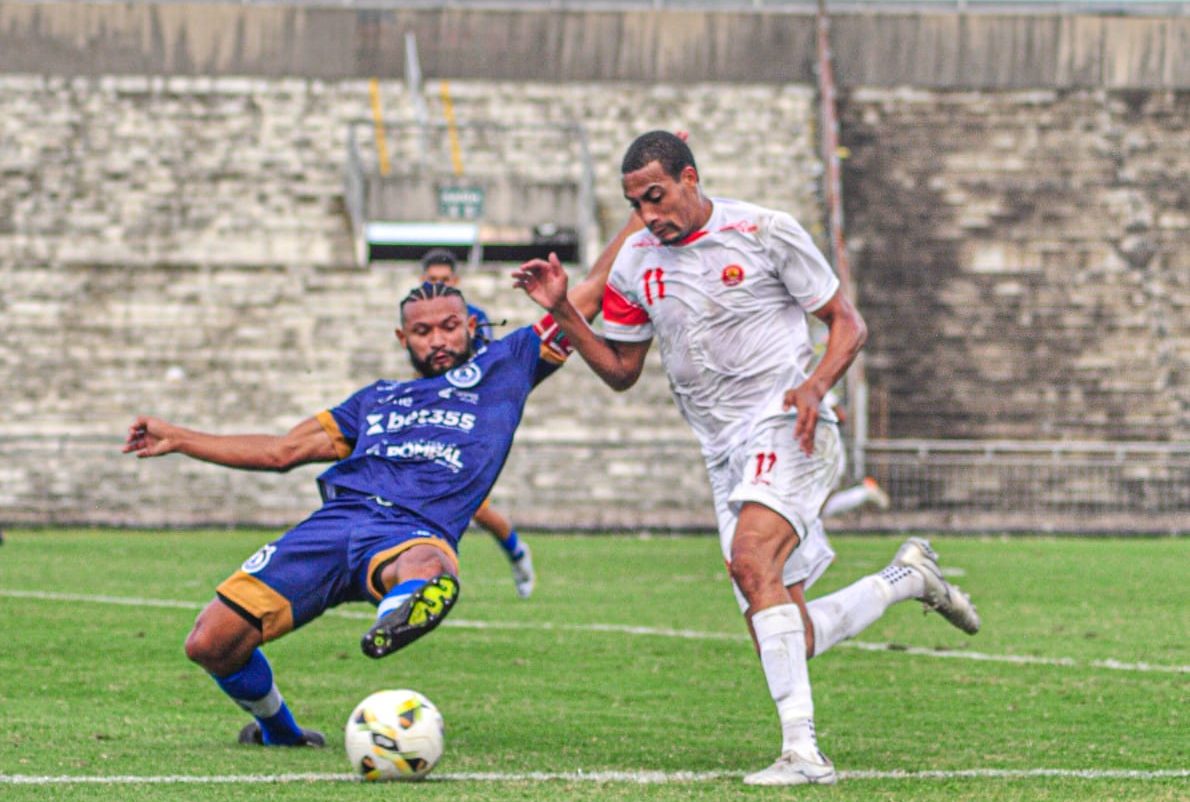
541 348
342 422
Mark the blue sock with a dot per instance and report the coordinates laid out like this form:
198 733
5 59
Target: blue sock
398 594
253 689
512 546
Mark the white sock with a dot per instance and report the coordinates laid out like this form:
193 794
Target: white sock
845 501
848 612
782 638
266 707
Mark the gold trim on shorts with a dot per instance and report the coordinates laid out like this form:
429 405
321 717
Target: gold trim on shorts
260 601
389 554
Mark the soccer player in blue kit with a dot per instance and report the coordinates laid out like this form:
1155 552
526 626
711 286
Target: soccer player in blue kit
413 461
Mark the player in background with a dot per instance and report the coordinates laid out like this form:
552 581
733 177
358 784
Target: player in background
439 266
413 461
845 500
717 282
852 498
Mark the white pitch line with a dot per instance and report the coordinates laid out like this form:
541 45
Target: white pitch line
660 632
126 601
637 777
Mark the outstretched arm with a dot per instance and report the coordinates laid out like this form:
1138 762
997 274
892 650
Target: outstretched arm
619 364
306 442
848 332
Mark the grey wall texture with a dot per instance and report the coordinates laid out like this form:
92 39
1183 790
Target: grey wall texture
1024 261
871 49
177 244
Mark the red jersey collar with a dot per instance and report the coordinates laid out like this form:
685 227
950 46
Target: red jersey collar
693 237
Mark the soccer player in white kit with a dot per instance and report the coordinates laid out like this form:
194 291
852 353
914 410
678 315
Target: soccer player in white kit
725 287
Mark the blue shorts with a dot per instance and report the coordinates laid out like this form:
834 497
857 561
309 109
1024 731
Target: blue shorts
334 556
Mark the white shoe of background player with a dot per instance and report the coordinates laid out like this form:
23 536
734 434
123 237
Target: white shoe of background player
876 494
794 769
948 600
523 575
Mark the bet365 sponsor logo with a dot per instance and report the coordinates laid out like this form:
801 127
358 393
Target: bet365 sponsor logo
391 422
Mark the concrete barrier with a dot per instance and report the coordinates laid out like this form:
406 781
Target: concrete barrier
943 50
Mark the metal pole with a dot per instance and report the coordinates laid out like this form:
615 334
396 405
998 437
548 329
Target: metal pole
413 81
378 127
589 225
833 185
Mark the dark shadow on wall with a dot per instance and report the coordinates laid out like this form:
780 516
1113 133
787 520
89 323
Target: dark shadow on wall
1017 262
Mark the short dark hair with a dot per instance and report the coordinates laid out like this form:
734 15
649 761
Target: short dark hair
427 290
439 256
658 146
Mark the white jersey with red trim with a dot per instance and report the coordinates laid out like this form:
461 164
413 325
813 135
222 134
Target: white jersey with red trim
728 307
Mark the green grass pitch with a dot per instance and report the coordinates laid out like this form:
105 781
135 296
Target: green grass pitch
1087 676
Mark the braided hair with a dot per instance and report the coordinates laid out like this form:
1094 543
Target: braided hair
427 290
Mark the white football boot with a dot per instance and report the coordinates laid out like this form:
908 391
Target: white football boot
523 575
794 769
948 600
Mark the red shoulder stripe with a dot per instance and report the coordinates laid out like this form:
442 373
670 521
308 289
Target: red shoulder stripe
620 310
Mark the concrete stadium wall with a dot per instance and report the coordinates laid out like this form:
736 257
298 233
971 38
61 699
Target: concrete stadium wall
1023 260
178 244
871 49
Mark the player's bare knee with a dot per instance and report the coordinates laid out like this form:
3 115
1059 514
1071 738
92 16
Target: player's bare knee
207 650
748 572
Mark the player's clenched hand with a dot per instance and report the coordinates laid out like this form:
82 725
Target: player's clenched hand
806 399
544 281
150 437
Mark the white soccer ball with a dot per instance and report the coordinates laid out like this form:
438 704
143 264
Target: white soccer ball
394 735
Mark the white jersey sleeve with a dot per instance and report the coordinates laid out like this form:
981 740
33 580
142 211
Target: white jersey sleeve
625 315
800 265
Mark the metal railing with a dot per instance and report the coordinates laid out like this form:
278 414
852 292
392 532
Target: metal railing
1083 486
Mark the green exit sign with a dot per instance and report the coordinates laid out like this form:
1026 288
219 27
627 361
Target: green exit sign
461 203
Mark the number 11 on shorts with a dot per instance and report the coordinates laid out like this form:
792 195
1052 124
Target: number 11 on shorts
765 460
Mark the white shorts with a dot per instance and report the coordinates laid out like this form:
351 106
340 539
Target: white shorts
771 469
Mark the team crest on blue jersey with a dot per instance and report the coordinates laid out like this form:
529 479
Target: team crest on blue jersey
465 375
258 560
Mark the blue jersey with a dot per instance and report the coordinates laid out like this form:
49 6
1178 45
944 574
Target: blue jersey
483 326
433 447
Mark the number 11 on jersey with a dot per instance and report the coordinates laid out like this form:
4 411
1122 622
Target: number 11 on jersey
654 279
